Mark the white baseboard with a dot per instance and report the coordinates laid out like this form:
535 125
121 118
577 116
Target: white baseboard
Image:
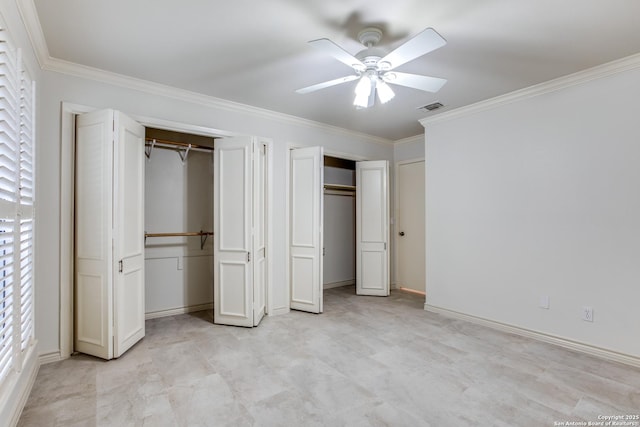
179 310
602 353
339 284
51 357
280 311
17 389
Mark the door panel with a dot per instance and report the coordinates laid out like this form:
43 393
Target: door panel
372 231
411 226
232 275
129 230
305 232
259 230
93 234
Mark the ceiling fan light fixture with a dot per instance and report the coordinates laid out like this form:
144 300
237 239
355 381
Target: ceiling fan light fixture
385 93
363 90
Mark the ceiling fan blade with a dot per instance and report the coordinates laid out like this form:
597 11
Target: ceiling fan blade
330 48
419 45
426 83
327 84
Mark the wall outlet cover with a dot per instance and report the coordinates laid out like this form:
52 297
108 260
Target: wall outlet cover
544 302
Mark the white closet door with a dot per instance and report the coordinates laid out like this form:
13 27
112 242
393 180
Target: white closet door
109 233
232 275
305 232
93 238
259 230
372 232
128 283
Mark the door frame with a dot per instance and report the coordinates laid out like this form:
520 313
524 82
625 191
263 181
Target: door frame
396 209
67 197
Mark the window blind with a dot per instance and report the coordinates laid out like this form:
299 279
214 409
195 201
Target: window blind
17 140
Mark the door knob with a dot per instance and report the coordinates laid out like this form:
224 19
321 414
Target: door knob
401 233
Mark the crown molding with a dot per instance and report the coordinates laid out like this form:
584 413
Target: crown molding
33 27
409 140
597 72
47 62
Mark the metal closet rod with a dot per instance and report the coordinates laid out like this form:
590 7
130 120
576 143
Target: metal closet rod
194 233
203 236
340 187
179 144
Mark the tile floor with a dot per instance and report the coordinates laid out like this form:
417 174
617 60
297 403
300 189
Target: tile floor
367 361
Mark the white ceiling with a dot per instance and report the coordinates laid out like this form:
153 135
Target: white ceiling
255 52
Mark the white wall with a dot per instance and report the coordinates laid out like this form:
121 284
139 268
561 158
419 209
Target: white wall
57 87
540 197
339 262
408 149
178 198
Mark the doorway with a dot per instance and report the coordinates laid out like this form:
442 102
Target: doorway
410 237
339 239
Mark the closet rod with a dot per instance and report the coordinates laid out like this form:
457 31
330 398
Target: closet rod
180 144
203 236
196 233
340 187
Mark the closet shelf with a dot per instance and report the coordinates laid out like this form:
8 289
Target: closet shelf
203 236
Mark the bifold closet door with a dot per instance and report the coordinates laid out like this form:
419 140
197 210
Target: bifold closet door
109 237
232 273
128 284
259 230
305 233
372 231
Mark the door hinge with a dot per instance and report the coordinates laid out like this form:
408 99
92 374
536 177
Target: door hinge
385 246
120 266
324 251
248 256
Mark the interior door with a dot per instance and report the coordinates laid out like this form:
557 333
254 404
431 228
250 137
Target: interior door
128 283
259 230
372 231
305 233
411 226
93 234
232 273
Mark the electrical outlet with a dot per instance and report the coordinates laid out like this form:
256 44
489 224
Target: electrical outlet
544 302
587 314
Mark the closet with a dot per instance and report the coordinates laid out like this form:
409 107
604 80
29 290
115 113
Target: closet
307 227
164 224
178 223
339 198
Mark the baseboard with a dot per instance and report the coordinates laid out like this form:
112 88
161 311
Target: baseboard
179 310
339 284
18 388
45 358
602 353
280 311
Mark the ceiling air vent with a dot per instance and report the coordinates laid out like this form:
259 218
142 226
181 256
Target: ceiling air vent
431 107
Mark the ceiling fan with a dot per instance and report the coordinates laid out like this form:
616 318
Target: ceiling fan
374 67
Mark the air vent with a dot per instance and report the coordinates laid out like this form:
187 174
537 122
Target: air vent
432 107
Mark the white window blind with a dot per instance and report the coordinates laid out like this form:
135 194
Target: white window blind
17 136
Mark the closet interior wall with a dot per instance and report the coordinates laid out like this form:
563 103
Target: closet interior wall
339 224
178 199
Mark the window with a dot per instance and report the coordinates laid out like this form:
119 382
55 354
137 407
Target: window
16 208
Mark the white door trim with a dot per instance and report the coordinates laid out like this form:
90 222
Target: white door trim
67 168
